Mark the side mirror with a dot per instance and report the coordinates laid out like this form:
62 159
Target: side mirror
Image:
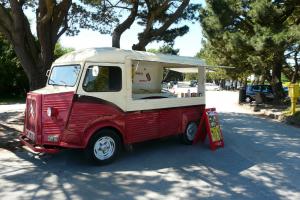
48 73
95 71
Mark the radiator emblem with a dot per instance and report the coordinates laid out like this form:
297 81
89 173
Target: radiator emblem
31 110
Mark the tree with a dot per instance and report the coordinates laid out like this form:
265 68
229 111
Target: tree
13 81
165 49
53 19
60 50
250 35
157 18
292 67
126 24
160 18
35 55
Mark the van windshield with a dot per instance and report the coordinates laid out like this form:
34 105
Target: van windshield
64 75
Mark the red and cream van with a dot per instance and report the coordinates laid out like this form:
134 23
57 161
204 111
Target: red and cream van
101 99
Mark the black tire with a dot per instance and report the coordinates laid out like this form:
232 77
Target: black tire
111 146
188 136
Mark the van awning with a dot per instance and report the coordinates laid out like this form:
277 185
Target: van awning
195 69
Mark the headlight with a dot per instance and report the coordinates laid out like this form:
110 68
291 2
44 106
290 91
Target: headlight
49 112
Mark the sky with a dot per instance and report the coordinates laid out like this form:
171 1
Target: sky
189 44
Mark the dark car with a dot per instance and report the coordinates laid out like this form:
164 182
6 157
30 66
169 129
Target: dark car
252 90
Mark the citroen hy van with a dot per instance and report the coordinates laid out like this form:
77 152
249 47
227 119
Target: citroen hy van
102 99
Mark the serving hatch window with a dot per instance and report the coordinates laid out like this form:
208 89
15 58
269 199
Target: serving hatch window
103 79
65 75
153 80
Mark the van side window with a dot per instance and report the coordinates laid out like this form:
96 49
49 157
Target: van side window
103 79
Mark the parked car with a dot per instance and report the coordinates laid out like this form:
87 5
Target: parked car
183 88
212 86
252 90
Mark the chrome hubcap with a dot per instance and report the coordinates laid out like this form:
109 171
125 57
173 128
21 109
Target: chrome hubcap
104 148
191 131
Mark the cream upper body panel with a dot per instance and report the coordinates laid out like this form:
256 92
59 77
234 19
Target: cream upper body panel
128 60
114 55
52 89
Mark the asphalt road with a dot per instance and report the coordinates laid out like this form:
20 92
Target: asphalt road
260 160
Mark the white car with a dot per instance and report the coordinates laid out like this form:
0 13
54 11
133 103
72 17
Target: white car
182 88
212 86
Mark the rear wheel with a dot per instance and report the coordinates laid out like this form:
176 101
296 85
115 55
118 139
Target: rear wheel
190 133
103 147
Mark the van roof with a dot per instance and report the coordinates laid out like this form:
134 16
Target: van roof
115 55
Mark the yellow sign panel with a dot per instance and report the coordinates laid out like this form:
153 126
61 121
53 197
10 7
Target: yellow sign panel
293 90
216 134
215 128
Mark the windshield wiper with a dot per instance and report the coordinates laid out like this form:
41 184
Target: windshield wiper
64 83
52 81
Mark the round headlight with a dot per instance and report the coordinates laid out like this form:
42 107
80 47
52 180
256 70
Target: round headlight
49 112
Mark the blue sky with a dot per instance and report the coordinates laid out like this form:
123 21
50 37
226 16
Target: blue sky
188 44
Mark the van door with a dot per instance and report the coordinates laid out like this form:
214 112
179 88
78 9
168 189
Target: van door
104 81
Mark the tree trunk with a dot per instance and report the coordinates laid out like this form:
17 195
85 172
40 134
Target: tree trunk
295 74
34 69
37 81
150 32
36 56
276 83
141 46
121 28
116 36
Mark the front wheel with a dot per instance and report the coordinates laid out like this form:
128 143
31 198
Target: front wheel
188 136
103 147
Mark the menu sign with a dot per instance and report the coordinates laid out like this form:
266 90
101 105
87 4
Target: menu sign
209 125
214 125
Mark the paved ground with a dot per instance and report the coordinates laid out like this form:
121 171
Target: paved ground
261 160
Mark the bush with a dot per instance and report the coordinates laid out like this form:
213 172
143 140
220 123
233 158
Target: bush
13 81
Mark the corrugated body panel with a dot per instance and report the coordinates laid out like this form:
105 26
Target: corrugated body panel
141 126
84 115
61 104
169 121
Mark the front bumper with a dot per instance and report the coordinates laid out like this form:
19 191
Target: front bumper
40 149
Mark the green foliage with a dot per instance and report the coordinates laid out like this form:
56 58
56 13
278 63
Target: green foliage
216 75
191 76
252 36
13 81
59 50
165 49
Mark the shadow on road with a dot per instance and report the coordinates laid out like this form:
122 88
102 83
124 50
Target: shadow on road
11 124
260 160
15 118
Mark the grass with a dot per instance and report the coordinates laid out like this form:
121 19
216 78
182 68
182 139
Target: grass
295 118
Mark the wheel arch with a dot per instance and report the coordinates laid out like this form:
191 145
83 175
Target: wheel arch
97 128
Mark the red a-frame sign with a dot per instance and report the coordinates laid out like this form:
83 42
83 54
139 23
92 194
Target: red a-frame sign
209 125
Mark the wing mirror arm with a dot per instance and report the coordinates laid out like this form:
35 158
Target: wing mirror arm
48 73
